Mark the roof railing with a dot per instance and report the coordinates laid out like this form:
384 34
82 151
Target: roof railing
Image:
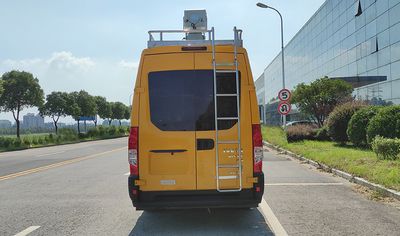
161 41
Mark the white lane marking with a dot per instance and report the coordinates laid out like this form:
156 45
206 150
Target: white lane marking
127 173
302 184
48 154
27 230
271 219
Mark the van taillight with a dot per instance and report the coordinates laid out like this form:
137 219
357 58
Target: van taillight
133 154
257 148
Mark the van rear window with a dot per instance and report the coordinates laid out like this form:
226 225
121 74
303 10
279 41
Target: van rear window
183 100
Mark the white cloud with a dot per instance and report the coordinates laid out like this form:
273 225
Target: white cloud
128 65
65 60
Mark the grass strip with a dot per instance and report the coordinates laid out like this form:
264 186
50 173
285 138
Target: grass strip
64 142
359 162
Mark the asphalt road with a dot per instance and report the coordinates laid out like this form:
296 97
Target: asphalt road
81 189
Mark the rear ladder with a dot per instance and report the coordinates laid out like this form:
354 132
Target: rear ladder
216 66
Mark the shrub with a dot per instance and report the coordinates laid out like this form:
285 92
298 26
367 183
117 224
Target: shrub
27 141
322 134
7 142
67 134
357 128
16 142
112 130
300 132
51 138
339 118
93 132
102 130
82 135
35 140
1 141
385 123
41 140
386 148
121 130
58 139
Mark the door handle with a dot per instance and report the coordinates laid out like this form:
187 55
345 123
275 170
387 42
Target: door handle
205 144
168 150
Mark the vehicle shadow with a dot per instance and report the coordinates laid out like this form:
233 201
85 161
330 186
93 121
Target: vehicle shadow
202 222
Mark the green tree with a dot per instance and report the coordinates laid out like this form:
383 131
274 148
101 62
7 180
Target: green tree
56 106
127 114
1 90
85 106
72 106
21 90
103 108
110 115
320 97
118 111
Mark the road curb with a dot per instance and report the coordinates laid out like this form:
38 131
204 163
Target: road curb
351 178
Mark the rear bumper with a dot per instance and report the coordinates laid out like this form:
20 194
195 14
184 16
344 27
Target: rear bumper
144 200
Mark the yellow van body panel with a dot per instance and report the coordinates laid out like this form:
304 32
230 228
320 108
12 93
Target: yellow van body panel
192 169
136 97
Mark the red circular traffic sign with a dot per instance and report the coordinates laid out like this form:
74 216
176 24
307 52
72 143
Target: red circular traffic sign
284 95
284 108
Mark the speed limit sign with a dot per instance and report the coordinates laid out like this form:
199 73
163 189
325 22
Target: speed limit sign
284 108
284 95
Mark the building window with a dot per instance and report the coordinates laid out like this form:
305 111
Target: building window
358 8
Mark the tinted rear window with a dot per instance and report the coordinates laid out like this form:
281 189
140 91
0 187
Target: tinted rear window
183 100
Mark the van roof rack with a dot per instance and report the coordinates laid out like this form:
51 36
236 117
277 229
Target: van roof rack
207 38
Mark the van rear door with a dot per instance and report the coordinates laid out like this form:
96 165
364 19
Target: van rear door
166 122
227 129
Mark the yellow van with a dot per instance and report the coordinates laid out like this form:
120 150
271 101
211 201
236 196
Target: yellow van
186 132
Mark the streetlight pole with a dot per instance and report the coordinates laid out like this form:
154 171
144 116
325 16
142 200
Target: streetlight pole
262 5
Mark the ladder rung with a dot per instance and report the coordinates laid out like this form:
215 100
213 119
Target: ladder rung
228 177
225 71
227 118
228 142
227 94
228 166
224 64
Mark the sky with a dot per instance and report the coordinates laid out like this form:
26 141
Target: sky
95 45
